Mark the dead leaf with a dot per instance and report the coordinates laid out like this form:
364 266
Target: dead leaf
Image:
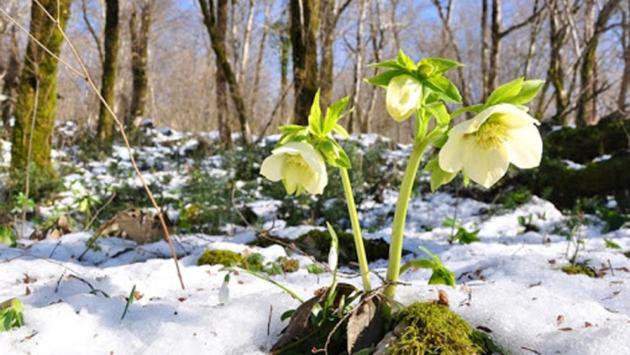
299 325
442 298
587 324
559 319
366 325
565 329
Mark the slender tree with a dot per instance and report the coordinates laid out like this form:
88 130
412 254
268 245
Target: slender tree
303 24
587 102
139 60
11 76
330 11
105 130
35 120
212 22
622 99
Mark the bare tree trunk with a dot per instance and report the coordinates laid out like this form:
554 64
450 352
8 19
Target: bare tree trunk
358 69
533 35
105 132
221 85
11 77
218 46
259 60
246 41
377 38
327 34
285 47
495 46
39 73
303 24
484 49
622 100
555 72
139 62
587 103
92 31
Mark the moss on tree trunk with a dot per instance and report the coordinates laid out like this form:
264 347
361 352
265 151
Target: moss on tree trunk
38 79
139 62
105 131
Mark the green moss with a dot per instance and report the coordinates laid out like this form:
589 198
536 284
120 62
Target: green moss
218 256
579 268
627 254
288 265
254 262
431 328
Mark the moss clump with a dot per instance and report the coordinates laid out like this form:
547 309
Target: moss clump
218 256
627 254
254 262
288 265
579 268
430 328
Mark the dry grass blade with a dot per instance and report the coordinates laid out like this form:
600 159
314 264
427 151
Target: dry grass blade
84 74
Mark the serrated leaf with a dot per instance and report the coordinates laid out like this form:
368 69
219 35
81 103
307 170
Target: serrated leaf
389 63
315 116
440 65
438 110
505 91
444 88
528 92
341 131
334 113
384 78
405 62
474 108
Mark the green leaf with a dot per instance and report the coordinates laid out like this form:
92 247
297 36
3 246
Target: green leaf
439 177
315 117
11 314
334 113
405 62
341 131
442 116
343 160
389 63
611 245
130 299
505 91
291 128
7 237
528 92
328 150
473 108
441 275
440 65
384 78
444 88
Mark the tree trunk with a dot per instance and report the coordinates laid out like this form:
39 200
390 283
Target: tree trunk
221 85
587 102
39 73
11 77
484 49
555 72
327 57
285 47
356 115
105 132
622 99
217 40
139 62
495 47
303 25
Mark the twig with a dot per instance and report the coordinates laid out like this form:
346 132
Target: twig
269 320
93 290
98 212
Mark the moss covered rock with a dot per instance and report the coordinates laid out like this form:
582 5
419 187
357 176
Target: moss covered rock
219 257
432 328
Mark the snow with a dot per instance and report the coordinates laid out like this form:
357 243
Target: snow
510 281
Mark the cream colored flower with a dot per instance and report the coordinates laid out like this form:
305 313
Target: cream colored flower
299 166
483 147
403 94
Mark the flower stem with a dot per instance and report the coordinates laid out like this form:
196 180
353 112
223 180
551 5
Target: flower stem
400 215
356 229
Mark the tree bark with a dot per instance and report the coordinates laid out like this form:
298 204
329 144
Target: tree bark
217 40
356 115
555 72
39 73
587 102
11 77
484 49
139 62
303 24
622 99
105 131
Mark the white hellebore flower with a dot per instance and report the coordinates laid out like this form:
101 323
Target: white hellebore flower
484 146
403 94
299 166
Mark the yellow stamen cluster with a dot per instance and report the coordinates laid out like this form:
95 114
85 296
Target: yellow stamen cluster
491 134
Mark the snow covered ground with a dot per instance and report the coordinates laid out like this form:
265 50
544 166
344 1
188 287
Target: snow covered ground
509 282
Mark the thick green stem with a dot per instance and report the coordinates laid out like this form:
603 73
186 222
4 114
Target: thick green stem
356 229
400 215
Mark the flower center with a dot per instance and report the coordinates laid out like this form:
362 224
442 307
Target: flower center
491 134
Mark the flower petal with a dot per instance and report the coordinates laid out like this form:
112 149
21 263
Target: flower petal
512 116
450 157
402 96
271 167
484 166
524 147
